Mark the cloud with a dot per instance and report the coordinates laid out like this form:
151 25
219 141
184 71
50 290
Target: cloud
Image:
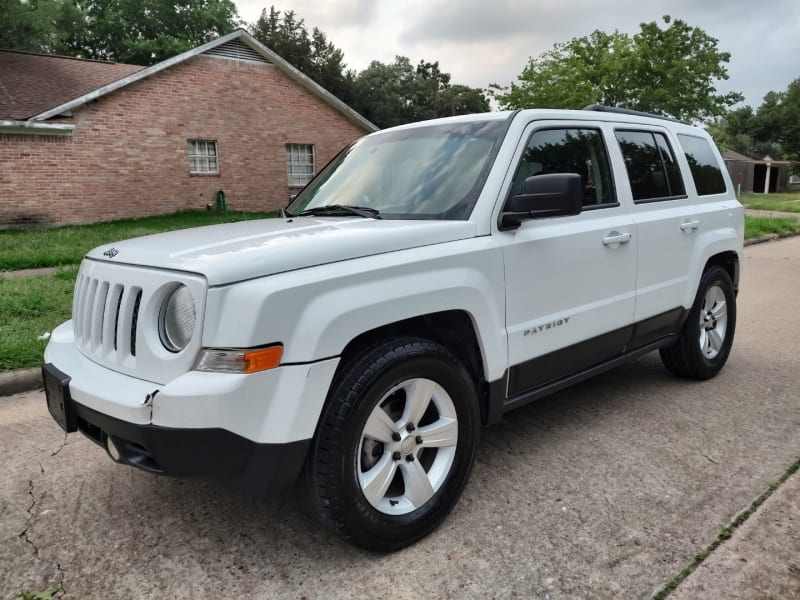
481 43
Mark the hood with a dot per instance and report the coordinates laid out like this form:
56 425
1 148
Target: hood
249 249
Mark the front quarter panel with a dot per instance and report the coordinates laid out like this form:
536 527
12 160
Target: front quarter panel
315 312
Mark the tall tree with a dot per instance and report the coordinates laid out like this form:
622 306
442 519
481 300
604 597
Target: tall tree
773 129
312 54
145 32
669 70
398 93
34 25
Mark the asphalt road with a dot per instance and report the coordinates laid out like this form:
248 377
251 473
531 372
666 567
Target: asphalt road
606 490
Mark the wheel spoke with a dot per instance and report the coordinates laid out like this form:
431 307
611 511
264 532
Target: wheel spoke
380 426
705 342
443 432
418 486
719 310
714 340
376 481
418 397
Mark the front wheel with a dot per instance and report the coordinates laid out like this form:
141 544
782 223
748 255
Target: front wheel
707 335
395 445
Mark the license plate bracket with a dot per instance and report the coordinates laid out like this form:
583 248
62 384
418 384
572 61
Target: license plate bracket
59 400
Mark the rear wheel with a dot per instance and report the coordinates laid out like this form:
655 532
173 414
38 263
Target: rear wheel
395 445
707 335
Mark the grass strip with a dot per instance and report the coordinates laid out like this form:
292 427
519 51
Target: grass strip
36 247
725 534
758 226
29 308
785 202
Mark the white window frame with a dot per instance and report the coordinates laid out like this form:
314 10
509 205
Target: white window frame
299 164
203 157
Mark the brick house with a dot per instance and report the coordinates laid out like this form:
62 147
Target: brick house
83 141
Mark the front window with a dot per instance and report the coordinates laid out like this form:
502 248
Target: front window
426 172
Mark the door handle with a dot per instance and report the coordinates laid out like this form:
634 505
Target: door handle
615 238
690 225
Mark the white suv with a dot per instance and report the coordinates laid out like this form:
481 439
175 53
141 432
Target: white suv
431 278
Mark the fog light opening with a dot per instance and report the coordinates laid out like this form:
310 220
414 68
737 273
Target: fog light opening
113 451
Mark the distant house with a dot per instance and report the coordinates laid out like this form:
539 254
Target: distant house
757 176
84 140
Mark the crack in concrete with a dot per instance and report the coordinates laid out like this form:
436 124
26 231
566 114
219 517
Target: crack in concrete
24 535
708 458
62 573
61 447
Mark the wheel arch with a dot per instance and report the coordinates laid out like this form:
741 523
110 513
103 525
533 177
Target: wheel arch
728 260
454 329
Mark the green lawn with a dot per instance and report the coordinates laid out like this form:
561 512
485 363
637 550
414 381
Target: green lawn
29 308
57 246
788 202
757 226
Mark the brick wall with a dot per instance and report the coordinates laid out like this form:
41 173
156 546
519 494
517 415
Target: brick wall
128 154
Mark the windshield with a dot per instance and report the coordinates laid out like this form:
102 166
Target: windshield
428 172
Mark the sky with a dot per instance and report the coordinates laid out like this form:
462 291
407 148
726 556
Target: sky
480 42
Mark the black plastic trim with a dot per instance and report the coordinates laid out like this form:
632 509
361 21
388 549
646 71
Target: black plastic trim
215 454
556 386
557 370
554 365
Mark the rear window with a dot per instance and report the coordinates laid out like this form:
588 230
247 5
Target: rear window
652 169
705 170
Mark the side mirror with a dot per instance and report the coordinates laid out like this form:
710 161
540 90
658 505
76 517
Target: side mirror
552 195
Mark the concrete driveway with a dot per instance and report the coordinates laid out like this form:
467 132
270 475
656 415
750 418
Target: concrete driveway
606 490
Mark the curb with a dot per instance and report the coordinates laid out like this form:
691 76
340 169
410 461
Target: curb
23 380
769 238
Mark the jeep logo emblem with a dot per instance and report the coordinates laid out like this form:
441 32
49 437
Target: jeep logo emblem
111 252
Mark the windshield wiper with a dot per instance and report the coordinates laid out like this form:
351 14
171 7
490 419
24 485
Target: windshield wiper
338 209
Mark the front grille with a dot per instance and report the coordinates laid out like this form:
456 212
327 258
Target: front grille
105 315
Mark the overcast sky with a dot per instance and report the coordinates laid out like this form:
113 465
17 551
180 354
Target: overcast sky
482 42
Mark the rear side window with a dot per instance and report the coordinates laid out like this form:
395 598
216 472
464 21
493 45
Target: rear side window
651 165
705 170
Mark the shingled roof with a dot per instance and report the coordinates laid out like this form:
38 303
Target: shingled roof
32 83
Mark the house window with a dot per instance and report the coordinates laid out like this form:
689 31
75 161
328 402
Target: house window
203 157
299 164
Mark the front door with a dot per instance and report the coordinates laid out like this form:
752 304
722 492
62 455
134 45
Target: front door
570 280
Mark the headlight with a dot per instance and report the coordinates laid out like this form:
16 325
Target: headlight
176 319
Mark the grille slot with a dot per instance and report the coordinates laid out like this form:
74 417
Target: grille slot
106 316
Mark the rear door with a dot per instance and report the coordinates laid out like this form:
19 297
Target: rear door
666 224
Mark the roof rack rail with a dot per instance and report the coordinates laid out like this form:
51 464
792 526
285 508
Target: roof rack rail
628 111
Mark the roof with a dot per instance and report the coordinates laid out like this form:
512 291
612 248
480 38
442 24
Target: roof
221 46
736 156
32 83
732 155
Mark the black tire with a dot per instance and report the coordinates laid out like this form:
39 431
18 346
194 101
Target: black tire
338 454
687 358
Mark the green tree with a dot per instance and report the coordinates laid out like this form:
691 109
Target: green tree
398 93
144 32
33 25
668 70
312 54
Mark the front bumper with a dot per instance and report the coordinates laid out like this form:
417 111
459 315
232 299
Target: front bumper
250 430
196 453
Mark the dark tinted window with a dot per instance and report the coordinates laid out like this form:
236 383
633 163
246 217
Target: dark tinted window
705 170
651 165
580 151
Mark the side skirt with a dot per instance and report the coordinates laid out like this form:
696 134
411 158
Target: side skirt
540 377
